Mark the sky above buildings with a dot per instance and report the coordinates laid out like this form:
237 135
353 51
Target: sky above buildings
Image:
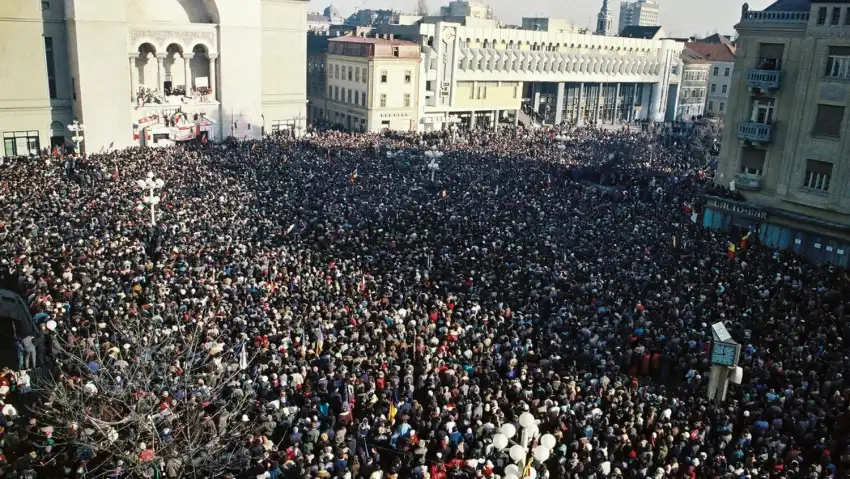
678 17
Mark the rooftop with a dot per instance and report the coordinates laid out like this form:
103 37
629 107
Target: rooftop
371 40
637 31
716 52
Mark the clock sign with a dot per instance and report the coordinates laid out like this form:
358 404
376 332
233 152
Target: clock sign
724 354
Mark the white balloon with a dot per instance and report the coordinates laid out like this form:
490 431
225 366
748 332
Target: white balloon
517 453
532 430
541 453
548 440
500 441
512 470
526 419
508 430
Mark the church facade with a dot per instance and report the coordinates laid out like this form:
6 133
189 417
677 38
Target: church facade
150 72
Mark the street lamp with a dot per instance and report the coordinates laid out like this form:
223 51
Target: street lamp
151 184
77 128
519 451
433 165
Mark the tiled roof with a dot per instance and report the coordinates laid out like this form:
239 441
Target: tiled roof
716 52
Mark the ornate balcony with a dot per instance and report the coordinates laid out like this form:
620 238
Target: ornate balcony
763 79
755 132
773 16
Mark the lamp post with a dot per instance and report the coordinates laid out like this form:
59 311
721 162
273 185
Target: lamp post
433 165
77 128
151 184
519 451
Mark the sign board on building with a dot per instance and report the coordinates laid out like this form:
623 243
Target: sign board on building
740 209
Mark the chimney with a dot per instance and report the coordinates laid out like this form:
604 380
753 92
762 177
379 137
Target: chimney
392 36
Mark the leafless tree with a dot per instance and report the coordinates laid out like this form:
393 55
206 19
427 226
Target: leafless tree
422 7
155 398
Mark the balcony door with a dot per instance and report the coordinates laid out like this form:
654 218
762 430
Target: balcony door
762 112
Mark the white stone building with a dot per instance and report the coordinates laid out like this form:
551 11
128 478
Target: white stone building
558 77
692 89
170 67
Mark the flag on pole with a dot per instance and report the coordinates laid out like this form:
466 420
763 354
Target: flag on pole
730 252
355 175
745 240
393 412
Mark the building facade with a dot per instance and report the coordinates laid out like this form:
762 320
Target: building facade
372 84
641 13
722 58
467 8
551 25
786 145
693 87
150 71
557 77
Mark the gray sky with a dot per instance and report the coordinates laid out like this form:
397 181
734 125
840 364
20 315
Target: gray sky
678 17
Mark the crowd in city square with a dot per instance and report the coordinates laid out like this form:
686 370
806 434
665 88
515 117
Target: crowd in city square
320 307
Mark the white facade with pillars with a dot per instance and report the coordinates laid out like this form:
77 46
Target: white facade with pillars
229 61
454 55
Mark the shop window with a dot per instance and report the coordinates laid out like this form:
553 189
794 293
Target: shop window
21 143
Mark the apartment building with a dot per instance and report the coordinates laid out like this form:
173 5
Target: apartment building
722 58
372 84
693 87
786 142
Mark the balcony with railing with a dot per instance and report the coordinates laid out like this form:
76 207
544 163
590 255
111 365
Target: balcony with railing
784 18
763 79
748 181
755 132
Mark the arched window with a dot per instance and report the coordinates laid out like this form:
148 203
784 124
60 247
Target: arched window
486 44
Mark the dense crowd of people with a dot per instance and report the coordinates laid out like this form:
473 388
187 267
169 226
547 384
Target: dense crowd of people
372 323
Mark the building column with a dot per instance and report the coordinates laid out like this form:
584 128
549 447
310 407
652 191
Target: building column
213 57
655 101
559 104
599 104
616 106
536 99
496 119
634 102
580 102
516 117
472 120
160 71
187 61
134 75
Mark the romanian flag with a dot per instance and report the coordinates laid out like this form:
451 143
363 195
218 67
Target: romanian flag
393 412
355 175
730 252
745 240
135 132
